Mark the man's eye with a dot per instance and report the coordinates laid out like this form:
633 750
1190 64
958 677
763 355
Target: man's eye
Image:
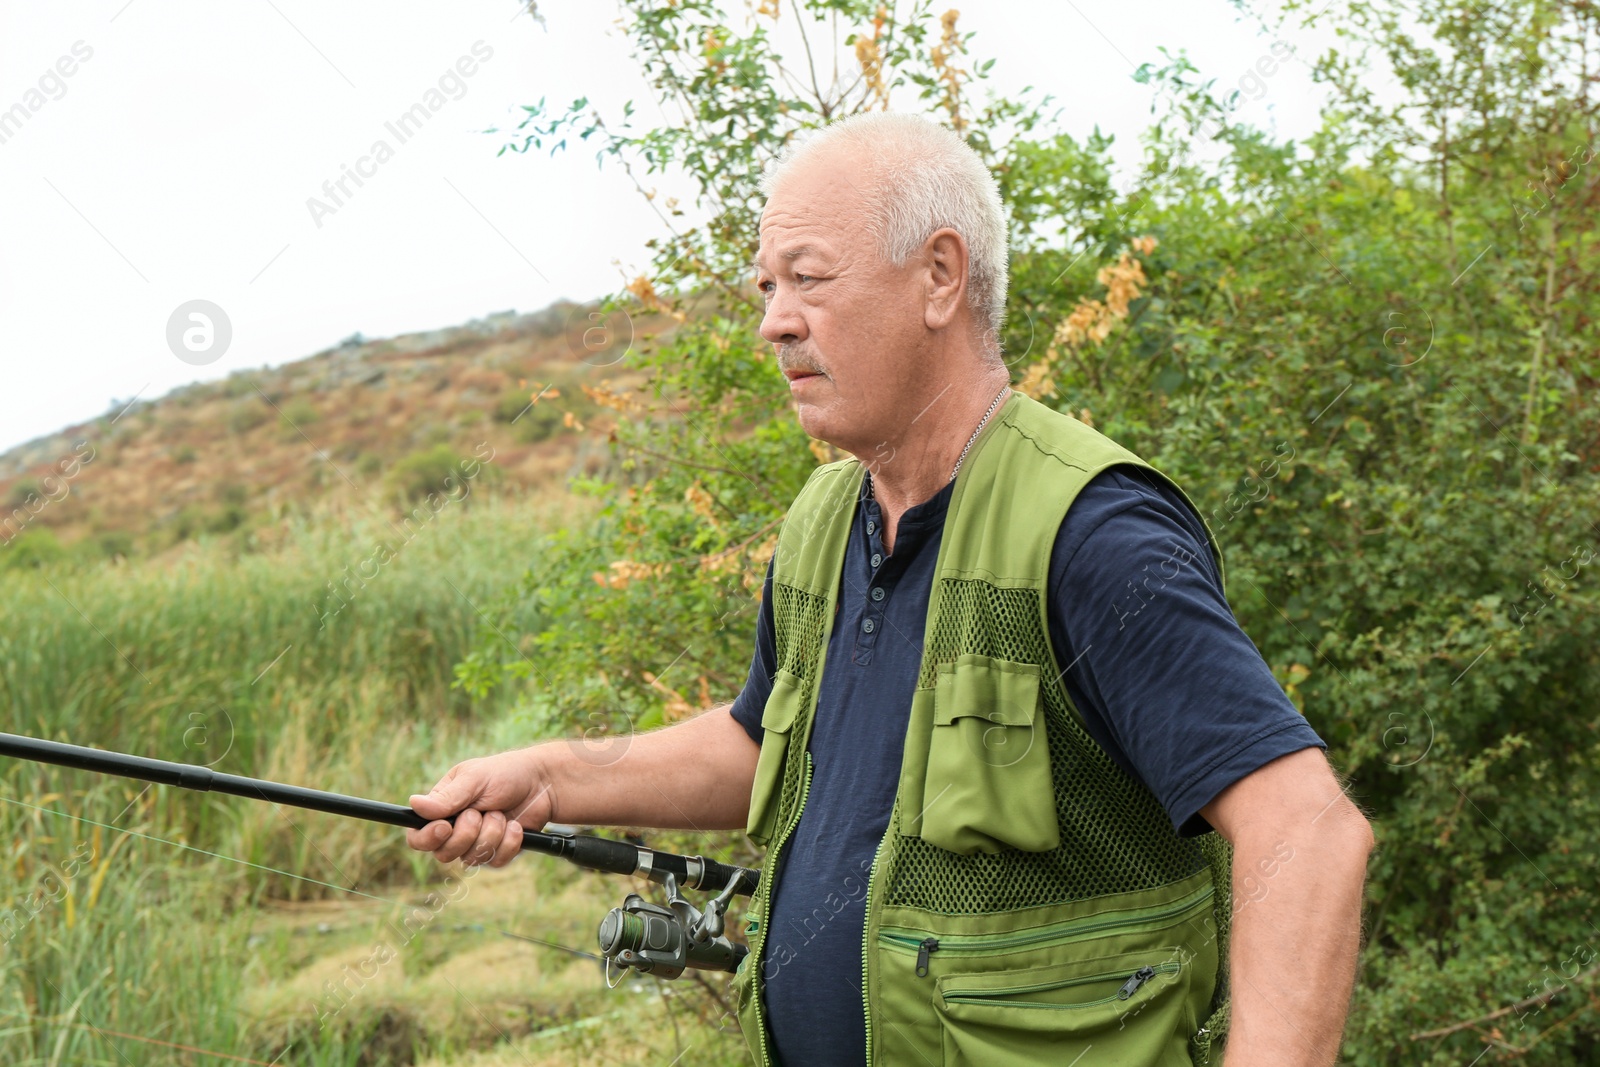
803 278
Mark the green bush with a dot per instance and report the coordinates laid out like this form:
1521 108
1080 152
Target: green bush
35 548
436 470
512 403
247 413
21 490
299 412
540 423
113 543
226 519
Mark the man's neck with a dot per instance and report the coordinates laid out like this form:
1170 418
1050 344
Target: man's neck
921 462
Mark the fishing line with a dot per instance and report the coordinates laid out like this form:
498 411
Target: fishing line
102 1031
274 870
203 852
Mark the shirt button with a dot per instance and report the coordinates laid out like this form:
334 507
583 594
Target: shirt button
877 558
877 592
868 626
872 527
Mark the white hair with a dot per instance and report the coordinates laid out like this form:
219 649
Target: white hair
924 178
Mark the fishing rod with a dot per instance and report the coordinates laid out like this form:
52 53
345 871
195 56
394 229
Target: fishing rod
641 935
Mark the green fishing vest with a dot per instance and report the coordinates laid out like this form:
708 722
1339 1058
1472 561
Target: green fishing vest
1029 902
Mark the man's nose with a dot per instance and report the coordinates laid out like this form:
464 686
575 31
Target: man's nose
782 324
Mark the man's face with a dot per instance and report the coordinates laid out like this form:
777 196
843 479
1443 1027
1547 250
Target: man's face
848 327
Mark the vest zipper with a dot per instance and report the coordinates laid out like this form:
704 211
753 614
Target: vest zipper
967 945
866 934
766 910
990 996
1139 978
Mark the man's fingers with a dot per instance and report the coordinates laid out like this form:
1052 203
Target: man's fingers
429 837
452 793
462 837
490 834
510 844
477 837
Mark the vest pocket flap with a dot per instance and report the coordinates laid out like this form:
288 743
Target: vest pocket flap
1003 692
988 785
777 720
784 702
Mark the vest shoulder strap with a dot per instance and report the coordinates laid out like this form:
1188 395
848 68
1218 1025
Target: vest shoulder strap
1026 470
810 552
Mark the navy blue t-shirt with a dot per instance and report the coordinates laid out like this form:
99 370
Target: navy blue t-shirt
1166 681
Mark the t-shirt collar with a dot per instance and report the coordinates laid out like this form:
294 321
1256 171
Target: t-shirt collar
930 512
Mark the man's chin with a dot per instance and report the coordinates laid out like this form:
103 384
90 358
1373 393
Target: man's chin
814 420
822 424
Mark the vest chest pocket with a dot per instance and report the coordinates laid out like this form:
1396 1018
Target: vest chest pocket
987 785
777 720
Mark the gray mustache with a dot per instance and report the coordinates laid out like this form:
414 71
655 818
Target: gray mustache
789 360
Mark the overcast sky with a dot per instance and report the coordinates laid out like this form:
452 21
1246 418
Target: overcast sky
158 152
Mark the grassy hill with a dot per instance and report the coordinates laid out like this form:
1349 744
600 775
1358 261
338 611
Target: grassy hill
387 418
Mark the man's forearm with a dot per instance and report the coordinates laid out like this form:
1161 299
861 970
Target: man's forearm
693 775
1295 938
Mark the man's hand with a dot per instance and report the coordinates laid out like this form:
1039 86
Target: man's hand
1299 862
692 775
495 796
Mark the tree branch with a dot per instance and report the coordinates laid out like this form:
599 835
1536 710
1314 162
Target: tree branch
1540 1000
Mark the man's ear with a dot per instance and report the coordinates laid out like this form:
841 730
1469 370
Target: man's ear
945 253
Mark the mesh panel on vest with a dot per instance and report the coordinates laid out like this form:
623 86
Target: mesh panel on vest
1218 853
799 621
1115 836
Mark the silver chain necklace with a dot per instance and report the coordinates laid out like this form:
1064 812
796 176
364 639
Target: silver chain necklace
981 424
957 469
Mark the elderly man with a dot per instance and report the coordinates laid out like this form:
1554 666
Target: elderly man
998 822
